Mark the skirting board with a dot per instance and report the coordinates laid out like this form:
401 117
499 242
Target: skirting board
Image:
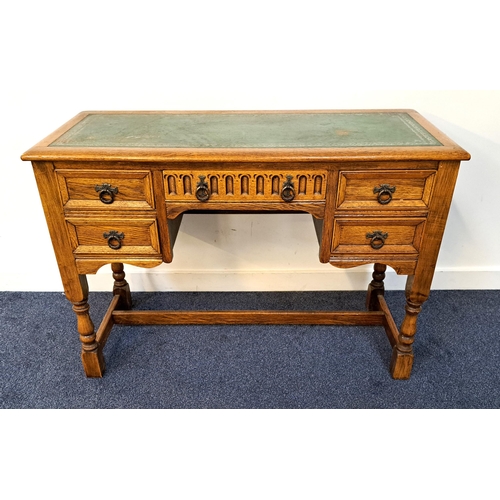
266 281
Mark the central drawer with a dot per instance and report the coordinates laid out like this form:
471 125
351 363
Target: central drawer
207 185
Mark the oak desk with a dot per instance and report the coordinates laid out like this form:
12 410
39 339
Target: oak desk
378 184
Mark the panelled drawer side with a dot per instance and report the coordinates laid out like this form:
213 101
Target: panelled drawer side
377 236
106 189
113 236
385 190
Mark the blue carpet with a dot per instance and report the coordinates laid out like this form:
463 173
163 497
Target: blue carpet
457 351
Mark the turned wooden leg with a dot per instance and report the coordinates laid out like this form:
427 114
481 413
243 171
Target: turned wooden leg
92 357
121 287
402 352
376 287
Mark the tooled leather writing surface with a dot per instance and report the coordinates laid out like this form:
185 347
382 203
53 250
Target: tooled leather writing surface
247 130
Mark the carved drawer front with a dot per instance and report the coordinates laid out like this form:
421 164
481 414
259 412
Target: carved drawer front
385 190
113 236
244 186
110 190
377 235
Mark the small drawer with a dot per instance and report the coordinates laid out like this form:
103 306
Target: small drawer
377 236
244 186
113 236
385 190
110 190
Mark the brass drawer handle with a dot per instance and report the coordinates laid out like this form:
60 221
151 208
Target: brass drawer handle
288 190
114 239
202 191
377 239
384 192
106 193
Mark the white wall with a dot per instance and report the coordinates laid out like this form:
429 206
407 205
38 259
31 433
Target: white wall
60 58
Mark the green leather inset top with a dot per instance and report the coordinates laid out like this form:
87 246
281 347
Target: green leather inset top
247 130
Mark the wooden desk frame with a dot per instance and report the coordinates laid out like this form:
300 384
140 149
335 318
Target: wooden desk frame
342 212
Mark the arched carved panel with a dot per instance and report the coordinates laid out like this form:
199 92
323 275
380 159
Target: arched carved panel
246 186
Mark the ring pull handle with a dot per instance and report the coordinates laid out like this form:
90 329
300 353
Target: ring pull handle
202 191
384 192
377 239
288 190
114 239
106 193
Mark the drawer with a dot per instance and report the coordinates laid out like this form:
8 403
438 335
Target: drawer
244 186
377 235
110 190
113 236
385 190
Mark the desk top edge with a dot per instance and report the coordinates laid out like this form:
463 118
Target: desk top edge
447 150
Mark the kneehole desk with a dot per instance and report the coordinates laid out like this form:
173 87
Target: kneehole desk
378 185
